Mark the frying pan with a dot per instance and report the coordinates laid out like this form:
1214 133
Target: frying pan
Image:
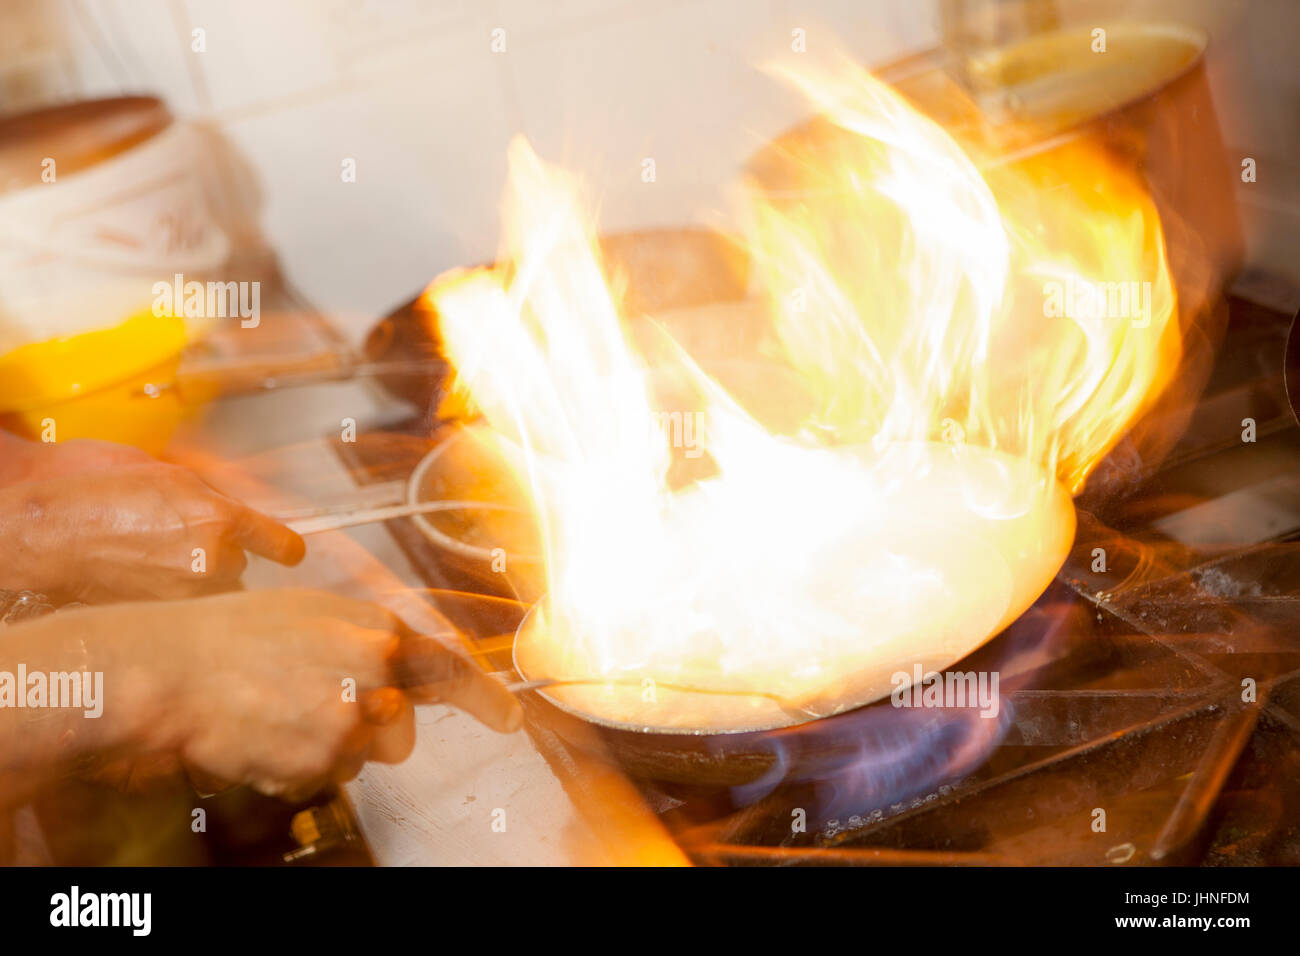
957 551
734 744
703 758
726 752
726 713
709 760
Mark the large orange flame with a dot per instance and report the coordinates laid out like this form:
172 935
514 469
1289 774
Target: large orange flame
965 340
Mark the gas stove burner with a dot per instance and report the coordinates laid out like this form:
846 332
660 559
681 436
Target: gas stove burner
1150 699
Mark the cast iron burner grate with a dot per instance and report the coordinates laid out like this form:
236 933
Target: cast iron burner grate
1150 729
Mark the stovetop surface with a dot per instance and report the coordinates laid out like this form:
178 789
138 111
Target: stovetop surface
1151 697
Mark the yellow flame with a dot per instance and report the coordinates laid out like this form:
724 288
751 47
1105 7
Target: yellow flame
967 339
949 297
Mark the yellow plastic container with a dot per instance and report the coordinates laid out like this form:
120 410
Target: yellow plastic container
92 385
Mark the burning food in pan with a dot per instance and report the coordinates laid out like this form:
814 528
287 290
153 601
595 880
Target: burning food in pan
965 345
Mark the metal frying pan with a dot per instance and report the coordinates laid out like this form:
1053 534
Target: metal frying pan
732 744
705 759
986 567
726 751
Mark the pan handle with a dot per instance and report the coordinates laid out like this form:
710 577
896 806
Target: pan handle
333 521
199 387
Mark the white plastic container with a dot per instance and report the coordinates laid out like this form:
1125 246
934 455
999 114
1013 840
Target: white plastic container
83 252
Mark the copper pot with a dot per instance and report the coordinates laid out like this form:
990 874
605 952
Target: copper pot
1146 102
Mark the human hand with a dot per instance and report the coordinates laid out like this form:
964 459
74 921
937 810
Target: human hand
130 530
283 690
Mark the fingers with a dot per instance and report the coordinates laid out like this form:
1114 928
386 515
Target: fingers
355 750
205 784
255 532
291 737
394 741
382 706
349 766
226 566
432 672
299 792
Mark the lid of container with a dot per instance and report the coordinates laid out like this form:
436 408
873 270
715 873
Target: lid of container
63 368
76 135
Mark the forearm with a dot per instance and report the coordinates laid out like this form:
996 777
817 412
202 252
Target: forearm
26 562
16 457
74 684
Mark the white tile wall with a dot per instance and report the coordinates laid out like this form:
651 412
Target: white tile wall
678 84
412 90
